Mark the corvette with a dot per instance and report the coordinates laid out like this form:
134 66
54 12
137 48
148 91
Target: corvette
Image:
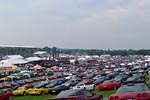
38 91
109 84
131 92
21 91
4 95
86 86
77 94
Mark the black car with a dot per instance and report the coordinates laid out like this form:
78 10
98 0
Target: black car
53 83
57 89
100 80
42 84
71 83
134 80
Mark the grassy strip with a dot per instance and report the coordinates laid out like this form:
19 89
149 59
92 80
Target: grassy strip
29 97
105 93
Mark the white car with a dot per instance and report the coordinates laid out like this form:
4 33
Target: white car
86 86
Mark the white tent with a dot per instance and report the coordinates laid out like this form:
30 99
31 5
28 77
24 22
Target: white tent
33 58
10 62
13 57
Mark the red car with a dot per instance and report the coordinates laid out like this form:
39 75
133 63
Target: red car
84 78
88 81
53 77
109 85
131 92
1 86
28 81
77 94
28 86
5 94
7 85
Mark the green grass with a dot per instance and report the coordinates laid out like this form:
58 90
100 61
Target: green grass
29 97
105 93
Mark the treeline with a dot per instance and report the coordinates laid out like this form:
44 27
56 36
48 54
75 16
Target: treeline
111 52
54 51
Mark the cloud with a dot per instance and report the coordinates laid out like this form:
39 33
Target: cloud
75 23
107 16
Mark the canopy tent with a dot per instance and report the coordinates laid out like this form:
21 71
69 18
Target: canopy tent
13 57
9 64
33 59
37 67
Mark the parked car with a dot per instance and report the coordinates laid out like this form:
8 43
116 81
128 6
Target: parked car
4 95
28 81
131 92
87 81
57 89
1 86
134 79
21 91
77 94
85 86
100 80
6 85
42 84
109 85
38 91
53 83
71 83
28 86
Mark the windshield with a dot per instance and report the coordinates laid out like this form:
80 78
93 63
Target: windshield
53 83
39 85
80 84
21 88
101 78
130 79
68 93
133 88
108 81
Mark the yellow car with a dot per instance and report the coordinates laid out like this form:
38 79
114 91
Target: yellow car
38 91
21 91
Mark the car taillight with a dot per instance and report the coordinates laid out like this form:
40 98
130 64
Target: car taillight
116 98
112 98
145 95
139 95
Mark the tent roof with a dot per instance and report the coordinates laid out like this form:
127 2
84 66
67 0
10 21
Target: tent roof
13 57
40 52
33 58
38 67
10 62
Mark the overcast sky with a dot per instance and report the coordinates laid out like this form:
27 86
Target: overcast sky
97 24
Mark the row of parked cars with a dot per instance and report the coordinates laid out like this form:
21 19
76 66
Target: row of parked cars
76 85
